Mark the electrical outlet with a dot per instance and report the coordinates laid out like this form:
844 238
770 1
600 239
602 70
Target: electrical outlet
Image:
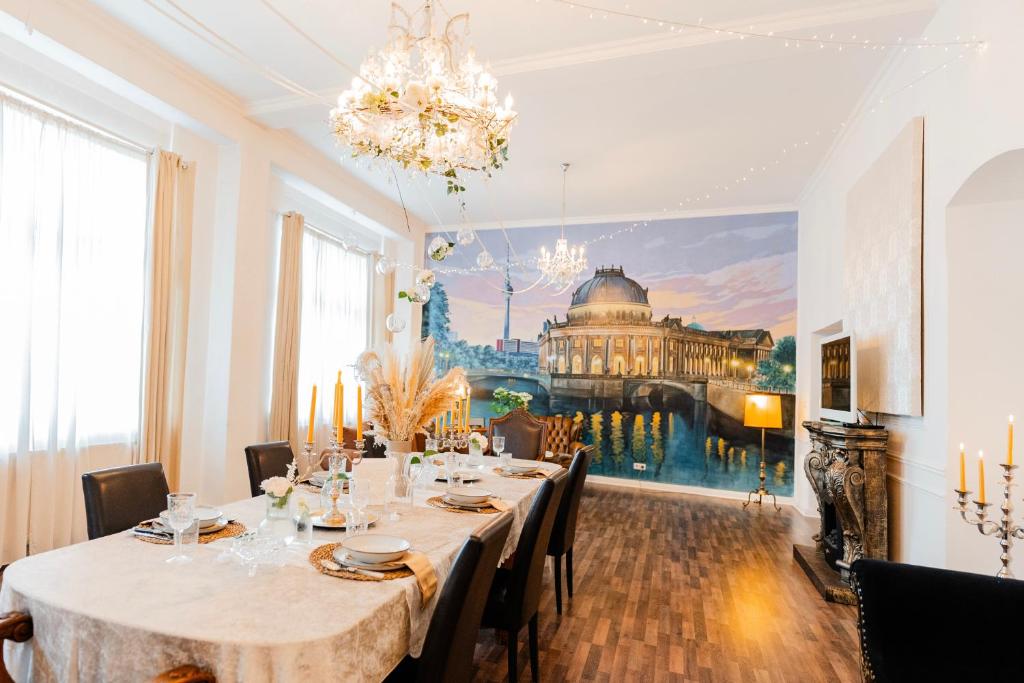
640 466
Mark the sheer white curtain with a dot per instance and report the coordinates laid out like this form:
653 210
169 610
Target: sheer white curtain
335 324
73 208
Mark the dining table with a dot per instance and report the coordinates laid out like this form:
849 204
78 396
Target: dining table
114 609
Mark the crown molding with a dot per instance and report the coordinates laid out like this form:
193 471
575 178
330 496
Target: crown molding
541 222
846 12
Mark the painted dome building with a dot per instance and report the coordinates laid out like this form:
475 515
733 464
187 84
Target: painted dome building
610 330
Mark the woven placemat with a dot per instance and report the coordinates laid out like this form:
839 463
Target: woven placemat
232 529
438 502
326 552
539 474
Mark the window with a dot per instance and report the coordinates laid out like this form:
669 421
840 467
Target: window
73 215
335 319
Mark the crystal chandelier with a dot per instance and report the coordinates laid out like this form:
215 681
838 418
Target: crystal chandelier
425 102
561 269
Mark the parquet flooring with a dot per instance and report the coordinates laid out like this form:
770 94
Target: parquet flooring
671 587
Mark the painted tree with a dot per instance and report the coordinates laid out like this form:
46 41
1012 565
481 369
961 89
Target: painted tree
778 372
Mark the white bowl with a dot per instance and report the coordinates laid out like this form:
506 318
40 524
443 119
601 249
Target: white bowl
375 547
520 469
469 494
207 516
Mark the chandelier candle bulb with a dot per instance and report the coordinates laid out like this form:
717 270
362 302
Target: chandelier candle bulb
312 417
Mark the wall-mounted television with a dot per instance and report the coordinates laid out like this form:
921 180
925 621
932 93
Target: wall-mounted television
839 378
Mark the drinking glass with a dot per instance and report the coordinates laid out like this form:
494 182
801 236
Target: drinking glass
430 448
451 467
181 514
359 492
498 444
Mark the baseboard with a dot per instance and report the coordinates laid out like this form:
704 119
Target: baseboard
677 488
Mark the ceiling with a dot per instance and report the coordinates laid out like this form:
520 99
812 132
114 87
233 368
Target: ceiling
652 121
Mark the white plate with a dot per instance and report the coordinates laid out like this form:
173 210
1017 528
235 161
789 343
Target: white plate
375 547
318 521
206 515
213 528
456 503
468 494
467 475
520 469
342 557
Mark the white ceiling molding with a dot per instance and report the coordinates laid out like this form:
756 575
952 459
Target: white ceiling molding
620 218
846 12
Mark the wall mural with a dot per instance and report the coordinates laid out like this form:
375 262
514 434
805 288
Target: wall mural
651 352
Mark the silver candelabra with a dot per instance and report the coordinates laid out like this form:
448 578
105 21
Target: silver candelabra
1005 530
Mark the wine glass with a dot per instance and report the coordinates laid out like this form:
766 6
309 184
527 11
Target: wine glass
181 513
359 492
498 444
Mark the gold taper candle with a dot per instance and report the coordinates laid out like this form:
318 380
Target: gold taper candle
340 422
312 417
359 412
469 400
1009 447
981 477
963 470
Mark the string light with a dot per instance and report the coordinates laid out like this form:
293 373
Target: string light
787 40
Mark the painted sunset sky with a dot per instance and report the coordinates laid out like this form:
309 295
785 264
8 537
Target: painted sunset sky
727 272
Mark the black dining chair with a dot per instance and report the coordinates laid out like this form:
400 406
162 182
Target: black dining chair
448 649
118 498
514 599
564 532
266 460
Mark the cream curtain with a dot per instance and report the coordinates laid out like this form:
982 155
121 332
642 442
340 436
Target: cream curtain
73 214
284 415
168 319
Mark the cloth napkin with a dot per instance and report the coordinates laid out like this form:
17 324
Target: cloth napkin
426 579
499 505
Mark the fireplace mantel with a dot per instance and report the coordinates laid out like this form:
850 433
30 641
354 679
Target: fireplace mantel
846 468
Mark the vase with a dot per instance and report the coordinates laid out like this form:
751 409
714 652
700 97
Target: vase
279 521
476 456
400 452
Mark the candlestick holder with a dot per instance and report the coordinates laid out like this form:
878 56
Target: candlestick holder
1005 529
360 445
309 454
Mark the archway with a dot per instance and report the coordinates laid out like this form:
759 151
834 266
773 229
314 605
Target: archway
984 242
577 364
639 366
596 366
654 365
561 365
618 365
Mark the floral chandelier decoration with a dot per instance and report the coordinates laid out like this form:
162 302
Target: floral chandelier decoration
425 102
561 269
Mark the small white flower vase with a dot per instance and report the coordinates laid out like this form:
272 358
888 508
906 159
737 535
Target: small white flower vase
279 521
476 456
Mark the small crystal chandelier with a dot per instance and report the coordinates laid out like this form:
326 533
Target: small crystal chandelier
425 102
561 269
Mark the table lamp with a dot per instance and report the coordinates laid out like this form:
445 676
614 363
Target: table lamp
763 411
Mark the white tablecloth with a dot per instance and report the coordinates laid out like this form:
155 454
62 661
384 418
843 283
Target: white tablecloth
113 610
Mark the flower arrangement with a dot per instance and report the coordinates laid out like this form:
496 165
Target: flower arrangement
477 441
506 400
278 489
403 398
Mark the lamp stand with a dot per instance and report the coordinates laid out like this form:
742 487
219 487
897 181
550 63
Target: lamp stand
761 491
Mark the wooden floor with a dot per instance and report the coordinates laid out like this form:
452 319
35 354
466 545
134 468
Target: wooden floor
670 587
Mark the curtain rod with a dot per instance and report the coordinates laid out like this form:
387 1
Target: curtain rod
48 108
334 238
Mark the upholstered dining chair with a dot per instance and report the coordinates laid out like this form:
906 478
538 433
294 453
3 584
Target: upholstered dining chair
910 618
563 438
118 498
265 460
515 594
525 435
448 648
563 535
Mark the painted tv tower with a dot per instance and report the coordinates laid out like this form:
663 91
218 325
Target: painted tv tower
508 291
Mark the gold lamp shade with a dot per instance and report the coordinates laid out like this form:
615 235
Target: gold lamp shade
763 411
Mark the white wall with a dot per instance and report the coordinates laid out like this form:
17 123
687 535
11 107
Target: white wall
973 112
83 61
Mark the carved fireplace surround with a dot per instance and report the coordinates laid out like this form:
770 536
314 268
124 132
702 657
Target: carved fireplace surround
846 468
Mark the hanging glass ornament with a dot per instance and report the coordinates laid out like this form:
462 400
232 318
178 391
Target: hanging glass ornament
426 277
465 236
385 266
422 294
394 323
440 248
484 260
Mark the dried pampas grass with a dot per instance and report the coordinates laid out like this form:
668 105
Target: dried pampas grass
401 399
